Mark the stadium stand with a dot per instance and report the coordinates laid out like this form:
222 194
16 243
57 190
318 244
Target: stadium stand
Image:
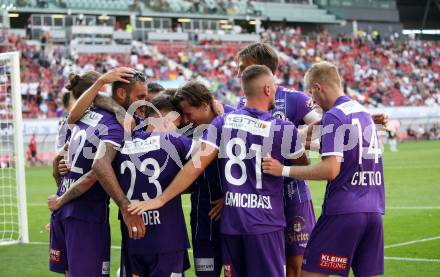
378 71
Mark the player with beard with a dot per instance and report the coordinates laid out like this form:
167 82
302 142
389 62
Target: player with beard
88 213
77 85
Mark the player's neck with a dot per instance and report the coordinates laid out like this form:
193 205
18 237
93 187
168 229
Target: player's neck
332 99
257 104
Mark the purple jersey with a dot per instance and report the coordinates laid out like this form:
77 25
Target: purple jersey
292 106
96 126
206 188
359 187
64 134
253 200
145 167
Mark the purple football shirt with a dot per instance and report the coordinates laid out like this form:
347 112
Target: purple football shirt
292 106
63 133
96 126
349 132
253 200
63 136
146 165
206 188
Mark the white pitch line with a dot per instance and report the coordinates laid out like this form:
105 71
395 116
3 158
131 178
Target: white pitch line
403 208
411 242
414 208
413 259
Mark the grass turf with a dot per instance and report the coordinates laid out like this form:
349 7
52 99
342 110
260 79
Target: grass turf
413 213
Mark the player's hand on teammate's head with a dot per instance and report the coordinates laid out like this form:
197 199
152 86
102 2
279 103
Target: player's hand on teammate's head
52 203
216 211
272 166
119 74
135 225
143 206
63 167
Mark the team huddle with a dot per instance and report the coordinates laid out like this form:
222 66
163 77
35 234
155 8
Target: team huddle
245 168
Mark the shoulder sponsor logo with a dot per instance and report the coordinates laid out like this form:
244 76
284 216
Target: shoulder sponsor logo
204 264
141 146
173 274
249 124
332 262
105 268
351 107
91 118
55 255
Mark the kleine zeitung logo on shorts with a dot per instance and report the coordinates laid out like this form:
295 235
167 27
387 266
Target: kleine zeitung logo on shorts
333 262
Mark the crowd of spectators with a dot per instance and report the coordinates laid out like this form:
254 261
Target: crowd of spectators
44 70
377 71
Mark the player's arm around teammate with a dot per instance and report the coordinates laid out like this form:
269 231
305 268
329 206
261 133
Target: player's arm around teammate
183 180
349 233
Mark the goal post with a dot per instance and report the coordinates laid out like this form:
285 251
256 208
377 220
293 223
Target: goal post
13 208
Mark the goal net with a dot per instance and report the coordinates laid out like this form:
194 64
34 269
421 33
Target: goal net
13 214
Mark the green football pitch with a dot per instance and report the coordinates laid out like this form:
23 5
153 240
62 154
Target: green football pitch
412 220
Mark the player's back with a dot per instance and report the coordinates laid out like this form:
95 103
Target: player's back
206 189
145 166
349 132
95 126
253 200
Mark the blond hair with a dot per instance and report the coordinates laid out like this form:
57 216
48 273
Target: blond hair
323 73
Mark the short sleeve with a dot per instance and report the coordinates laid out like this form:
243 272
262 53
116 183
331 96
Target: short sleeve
63 135
212 134
303 103
291 146
332 136
186 147
111 132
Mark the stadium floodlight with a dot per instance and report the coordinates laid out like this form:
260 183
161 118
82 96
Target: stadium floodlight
13 213
184 20
144 18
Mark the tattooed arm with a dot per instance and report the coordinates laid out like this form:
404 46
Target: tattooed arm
77 189
103 169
